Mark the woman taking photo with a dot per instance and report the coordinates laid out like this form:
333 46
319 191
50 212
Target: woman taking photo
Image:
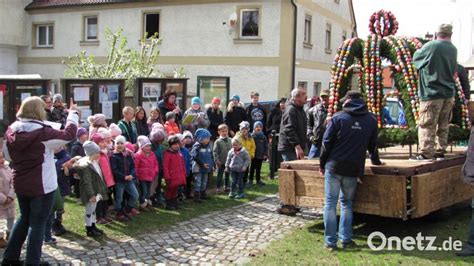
29 146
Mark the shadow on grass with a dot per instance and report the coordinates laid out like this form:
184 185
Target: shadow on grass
448 224
159 219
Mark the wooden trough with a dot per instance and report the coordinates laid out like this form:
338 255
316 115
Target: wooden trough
397 189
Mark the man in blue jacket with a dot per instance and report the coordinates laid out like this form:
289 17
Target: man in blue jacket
349 134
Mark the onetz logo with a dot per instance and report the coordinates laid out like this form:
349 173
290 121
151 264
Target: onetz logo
420 242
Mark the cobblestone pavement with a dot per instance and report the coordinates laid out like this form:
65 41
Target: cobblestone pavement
233 235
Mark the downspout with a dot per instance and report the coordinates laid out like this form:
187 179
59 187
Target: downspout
295 21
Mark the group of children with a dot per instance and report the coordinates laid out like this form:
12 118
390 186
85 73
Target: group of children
107 172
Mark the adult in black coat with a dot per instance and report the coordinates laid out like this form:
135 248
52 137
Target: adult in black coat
273 126
235 114
216 117
293 127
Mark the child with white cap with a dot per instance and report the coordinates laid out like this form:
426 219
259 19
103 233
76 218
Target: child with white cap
93 188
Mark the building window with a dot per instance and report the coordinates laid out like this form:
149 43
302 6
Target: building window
344 35
303 85
44 35
249 23
90 28
327 45
316 88
151 25
307 29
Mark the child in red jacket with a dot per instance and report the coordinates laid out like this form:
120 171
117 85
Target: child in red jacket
174 172
146 169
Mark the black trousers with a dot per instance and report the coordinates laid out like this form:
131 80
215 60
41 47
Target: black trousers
255 169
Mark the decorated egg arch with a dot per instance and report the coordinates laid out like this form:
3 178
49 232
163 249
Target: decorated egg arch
364 58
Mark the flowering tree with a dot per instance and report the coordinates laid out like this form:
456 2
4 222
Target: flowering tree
122 62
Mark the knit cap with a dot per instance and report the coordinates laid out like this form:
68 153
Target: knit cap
196 100
170 115
173 139
216 100
244 124
236 97
143 141
90 148
97 137
157 135
104 132
57 98
202 134
120 139
187 134
115 130
256 124
130 147
81 131
96 119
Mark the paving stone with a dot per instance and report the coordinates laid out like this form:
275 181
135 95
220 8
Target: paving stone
219 238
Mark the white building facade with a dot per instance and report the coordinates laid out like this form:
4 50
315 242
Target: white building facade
257 54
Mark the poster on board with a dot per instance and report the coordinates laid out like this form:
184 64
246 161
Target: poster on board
107 109
81 94
151 90
109 93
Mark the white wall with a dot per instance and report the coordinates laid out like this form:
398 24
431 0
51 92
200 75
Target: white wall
311 76
12 22
8 59
463 29
318 32
186 30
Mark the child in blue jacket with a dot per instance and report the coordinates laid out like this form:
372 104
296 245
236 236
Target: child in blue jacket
203 163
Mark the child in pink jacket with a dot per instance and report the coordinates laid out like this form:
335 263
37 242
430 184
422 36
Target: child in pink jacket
146 169
7 199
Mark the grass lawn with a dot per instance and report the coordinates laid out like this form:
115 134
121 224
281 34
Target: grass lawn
159 219
305 246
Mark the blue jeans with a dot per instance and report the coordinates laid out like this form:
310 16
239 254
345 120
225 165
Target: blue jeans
314 151
144 191
131 190
334 184
237 181
34 211
48 227
201 181
220 174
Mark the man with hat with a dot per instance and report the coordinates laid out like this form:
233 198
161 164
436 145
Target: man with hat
317 124
436 63
349 134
